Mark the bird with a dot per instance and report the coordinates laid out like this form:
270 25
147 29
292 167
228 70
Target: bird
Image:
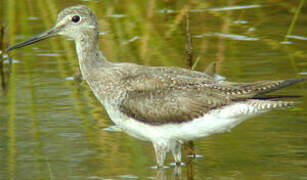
164 105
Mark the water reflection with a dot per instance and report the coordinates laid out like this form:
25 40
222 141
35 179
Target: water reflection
5 60
176 172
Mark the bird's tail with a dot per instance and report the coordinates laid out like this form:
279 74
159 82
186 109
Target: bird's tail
266 105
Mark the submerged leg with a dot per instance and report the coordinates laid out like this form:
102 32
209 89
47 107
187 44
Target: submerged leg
189 148
176 151
161 150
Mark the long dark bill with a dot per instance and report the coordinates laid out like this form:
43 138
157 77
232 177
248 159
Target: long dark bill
39 37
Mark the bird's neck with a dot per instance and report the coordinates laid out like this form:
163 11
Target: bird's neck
89 55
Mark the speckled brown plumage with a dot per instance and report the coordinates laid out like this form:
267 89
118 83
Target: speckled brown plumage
184 99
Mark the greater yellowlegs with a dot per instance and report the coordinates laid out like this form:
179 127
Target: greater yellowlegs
164 105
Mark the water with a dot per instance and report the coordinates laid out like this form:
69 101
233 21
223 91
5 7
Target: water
52 127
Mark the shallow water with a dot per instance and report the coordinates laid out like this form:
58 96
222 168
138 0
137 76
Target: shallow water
52 127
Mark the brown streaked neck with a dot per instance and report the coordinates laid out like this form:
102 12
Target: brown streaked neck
89 55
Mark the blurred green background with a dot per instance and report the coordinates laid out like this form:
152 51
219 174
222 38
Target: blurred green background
52 127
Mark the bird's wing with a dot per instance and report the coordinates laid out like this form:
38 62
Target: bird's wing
255 89
164 96
238 90
174 104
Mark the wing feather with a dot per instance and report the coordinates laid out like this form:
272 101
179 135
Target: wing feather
167 96
173 105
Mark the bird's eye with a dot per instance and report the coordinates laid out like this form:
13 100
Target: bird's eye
75 18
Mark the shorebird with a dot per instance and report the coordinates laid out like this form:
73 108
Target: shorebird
164 105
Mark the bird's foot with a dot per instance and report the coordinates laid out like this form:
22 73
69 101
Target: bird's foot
196 156
174 164
160 167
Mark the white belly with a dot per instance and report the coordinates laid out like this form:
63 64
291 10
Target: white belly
216 121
